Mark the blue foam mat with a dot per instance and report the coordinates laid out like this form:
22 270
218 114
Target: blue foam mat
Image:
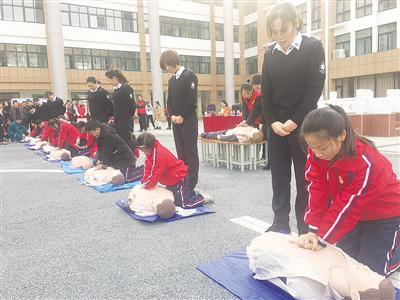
69 169
107 188
51 160
199 210
233 273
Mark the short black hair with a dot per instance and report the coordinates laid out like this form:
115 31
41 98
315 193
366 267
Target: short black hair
146 141
92 124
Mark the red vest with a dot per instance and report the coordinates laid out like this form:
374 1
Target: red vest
250 103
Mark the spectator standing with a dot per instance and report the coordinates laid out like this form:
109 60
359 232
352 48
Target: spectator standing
141 111
159 115
42 109
100 104
81 111
149 115
55 104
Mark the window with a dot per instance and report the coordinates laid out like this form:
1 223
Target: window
363 8
148 62
219 32
24 56
345 88
237 69
386 4
98 18
315 15
387 37
250 6
251 65
364 41
250 35
184 28
342 10
97 59
302 13
343 42
198 64
22 11
220 3
384 82
220 65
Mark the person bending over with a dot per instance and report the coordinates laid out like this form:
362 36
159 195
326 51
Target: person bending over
66 135
16 131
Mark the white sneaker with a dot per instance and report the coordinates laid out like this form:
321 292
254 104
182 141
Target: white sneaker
207 198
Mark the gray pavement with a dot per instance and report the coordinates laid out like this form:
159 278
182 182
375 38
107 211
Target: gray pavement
63 240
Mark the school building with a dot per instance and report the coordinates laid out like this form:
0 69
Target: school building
56 44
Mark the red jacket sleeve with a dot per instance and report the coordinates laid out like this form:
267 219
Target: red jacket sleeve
62 135
154 168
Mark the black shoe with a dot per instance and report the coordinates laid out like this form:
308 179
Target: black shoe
126 207
140 130
267 167
277 227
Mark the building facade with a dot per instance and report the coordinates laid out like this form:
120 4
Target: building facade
56 45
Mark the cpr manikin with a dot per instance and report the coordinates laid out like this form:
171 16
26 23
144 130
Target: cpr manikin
59 154
83 162
325 274
237 134
101 176
156 201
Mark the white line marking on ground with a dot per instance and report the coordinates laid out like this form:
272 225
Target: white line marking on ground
255 224
31 171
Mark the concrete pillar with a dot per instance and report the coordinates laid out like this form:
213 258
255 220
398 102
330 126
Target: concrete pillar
56 43
155 51
229 54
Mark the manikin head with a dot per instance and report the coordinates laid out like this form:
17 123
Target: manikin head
257 136
65 157
118 179
166 209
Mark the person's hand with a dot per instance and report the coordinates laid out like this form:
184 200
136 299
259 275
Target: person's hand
242 124
23 135
142 186
57 148
307 241
178 120
260 127
289 126
277 127
99 166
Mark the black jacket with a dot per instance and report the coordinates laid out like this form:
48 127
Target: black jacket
124 103
100 105
113 151
56 107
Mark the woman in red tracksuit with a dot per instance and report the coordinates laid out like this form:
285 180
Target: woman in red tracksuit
161 166
46 132
67 135
249 98
354 196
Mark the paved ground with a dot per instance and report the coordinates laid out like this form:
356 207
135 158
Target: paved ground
63 240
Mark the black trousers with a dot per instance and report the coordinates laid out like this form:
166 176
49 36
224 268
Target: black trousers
185 137
125 129
150 118
72 149
282 151
142 121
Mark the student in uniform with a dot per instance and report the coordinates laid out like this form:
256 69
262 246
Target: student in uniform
182 99
354 196
124 105
46 133
293 77
100 105
42 109
66 135
55 104
112 149
81 111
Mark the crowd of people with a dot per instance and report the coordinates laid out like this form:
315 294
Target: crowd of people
347 192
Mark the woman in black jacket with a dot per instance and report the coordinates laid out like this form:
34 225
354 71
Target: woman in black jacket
100 105
124 105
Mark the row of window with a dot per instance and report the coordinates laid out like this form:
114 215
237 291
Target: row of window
363 8
387 40
99 18
219 32
22 11
184 28
379 84
216 2
24 56
315 15
250 35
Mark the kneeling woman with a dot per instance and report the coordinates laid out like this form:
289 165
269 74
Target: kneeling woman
67 135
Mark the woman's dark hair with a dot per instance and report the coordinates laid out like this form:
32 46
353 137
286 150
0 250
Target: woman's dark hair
328 123
117 73
93 79
223 101
146 141
48 93
52 122
169 57
256 79
247 87
287 13
92 124
39 121
81 124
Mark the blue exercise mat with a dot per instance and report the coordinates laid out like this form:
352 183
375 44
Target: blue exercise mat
51 160
39 152
233 273
199 210
69 169
109 187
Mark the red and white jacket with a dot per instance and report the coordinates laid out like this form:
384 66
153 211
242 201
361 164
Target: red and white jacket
362 188
91 143
48 132
67 133
248 108
81 111
162 166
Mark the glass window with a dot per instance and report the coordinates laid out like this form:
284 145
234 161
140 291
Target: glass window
342 10
343 42
251 65
220 65
23 56
302 13
236 33
315 15
22 11
363 8
364 41
84 22
184 28
237 69
18 14
74 19
65 18
387 37
384 82
250 6
250 35
386 4
8 13
219 32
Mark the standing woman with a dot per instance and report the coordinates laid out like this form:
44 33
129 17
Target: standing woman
159 115
100 105
124 105
293 77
